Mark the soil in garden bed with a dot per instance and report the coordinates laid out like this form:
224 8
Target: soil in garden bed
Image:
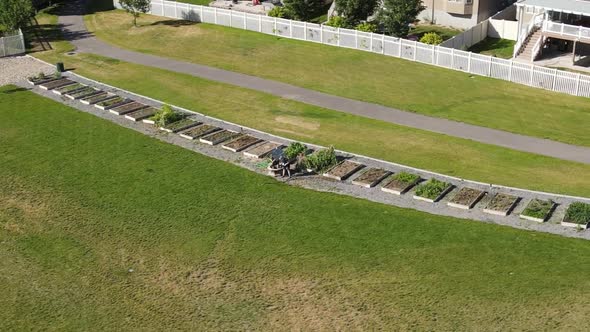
96 98
56 84
141 114
111 101
241 143
402 184
262 150
371 177
467 197
199 131
502 203
343 170
69 88
128 108
219 137
538 209
81 93
37 81
177 126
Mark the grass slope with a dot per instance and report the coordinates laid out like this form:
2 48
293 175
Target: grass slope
359 75
501 48
104 228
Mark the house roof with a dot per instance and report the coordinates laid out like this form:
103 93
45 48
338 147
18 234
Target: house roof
581 7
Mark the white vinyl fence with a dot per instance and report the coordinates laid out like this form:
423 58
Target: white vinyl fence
469 37
528 74
12 44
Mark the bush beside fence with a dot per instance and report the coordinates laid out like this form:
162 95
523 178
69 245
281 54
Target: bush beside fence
12 44
508 70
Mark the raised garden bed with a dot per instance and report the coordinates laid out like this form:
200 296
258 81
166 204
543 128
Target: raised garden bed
97 98
538 210
181 125
501 205
466 198
241 143
432 190
127 108
41 80
371 177
199 131
343 170
400 183
219 137
577 215
112 102
56 84
262 150
69 88
81 93
141 114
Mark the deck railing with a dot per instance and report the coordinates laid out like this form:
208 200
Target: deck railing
566 30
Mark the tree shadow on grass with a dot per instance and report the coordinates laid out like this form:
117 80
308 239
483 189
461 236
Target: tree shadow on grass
15 90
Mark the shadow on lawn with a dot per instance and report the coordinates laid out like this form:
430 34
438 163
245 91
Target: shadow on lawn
175 23
15 90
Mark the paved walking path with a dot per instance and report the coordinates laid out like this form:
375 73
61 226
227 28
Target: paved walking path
76 32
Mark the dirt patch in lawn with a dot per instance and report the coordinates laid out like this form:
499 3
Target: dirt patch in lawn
295 121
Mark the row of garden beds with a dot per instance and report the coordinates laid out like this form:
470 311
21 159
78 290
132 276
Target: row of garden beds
301 158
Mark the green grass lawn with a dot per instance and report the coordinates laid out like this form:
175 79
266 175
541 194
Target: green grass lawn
103 228
359 75
500 48
196 2
445 32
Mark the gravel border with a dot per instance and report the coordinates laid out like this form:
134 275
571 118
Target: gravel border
320 183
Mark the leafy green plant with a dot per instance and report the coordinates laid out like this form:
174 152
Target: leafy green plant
166 115
431 189
366 27
294 149
336 22
321 160
578 213
279 12
136 7
431 38
538 208
405 177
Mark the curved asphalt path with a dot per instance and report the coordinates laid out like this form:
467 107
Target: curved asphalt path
75 31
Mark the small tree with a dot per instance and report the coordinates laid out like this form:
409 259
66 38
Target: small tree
366 27
135 8
431 38
396 16
279 12
15 14
336 22
355 11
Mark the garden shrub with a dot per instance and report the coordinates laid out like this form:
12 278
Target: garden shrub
336 22
431 189
321 160
165 116
578 213
366 27
294 150
538 208
279 12
405 177
431 38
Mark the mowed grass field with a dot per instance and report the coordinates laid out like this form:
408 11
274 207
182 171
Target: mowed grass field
358 75
103 228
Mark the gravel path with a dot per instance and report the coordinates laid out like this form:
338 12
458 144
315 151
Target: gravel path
17 69
75 31
320 183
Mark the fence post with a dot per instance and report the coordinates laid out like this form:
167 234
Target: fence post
452 58
321 33
469 63
578 84
290 28
382 44
356 39
433 54
215 13
400 47
163 11
338 37
259 23
275 29
231 16
245 21
510 71
201 18
415 49
3 47
554 79
304 30
489 67
371 43
532 74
